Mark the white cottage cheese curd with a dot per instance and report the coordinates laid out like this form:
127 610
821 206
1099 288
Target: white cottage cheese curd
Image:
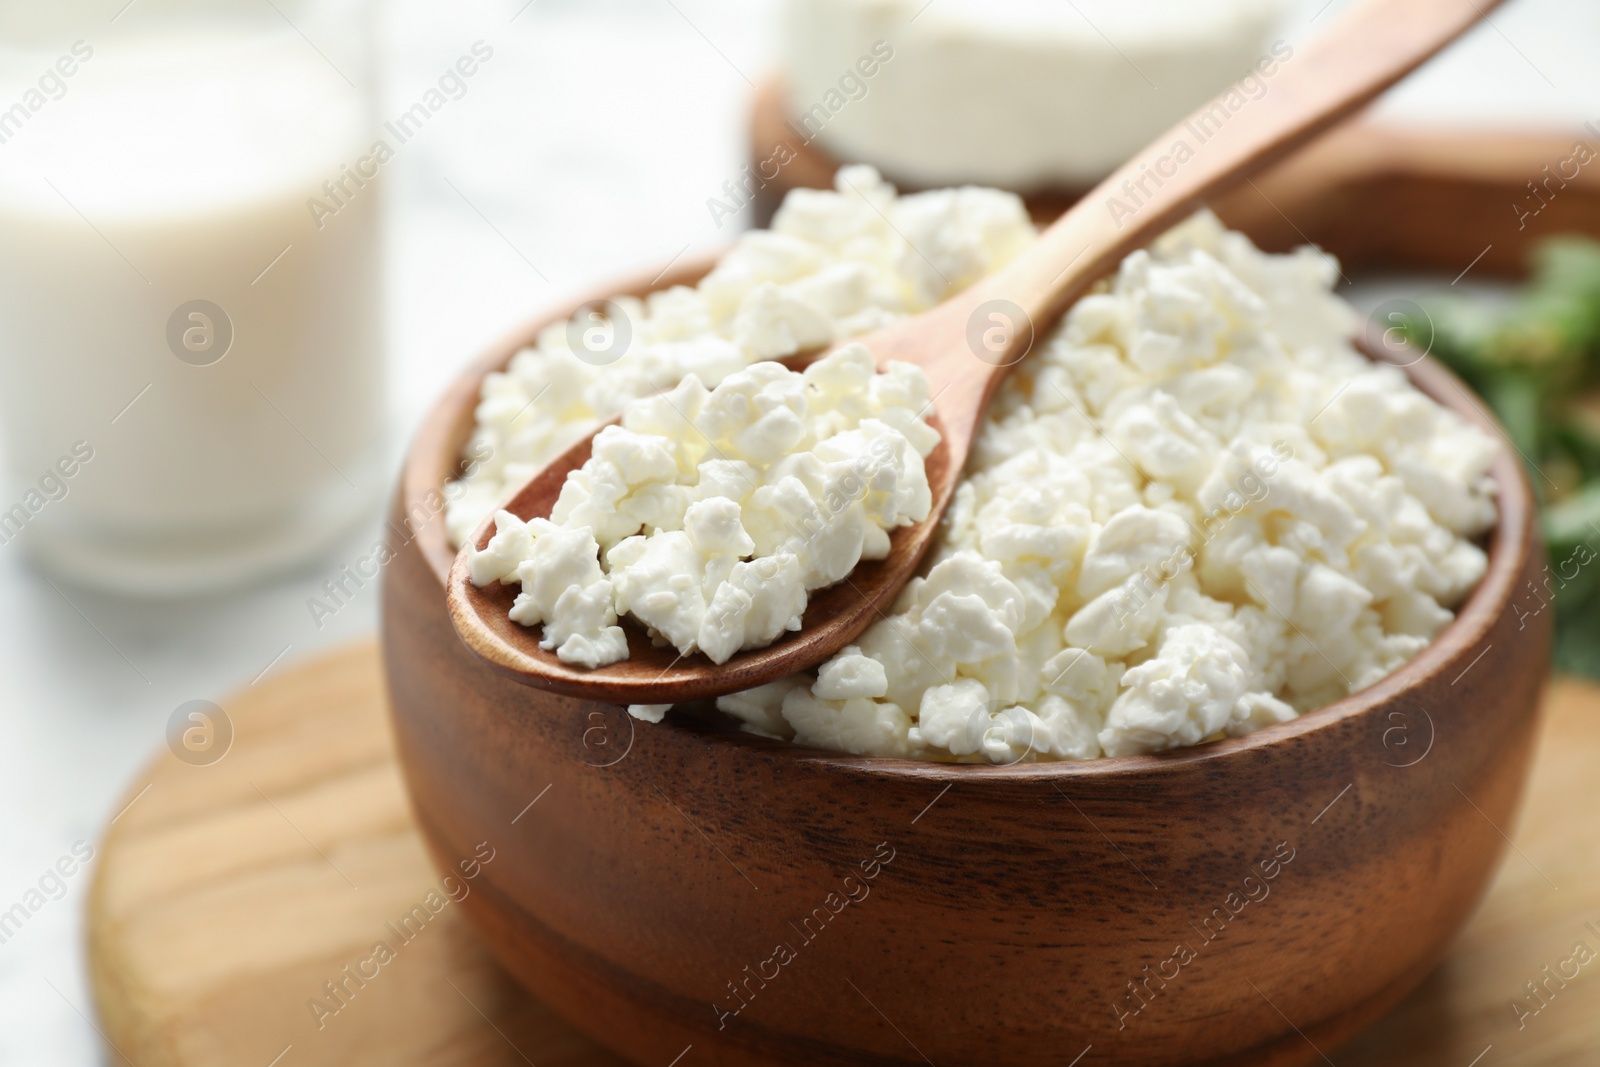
835 265
717 511
1194 511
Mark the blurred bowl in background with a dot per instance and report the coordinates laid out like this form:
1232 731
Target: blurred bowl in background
1030 95
1374 194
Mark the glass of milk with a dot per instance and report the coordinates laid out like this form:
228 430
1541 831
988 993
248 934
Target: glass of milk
192 382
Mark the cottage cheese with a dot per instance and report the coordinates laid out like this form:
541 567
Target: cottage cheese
1025 94
717 511
1193 511
835 265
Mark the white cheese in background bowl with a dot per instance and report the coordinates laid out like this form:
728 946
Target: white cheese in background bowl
1023 94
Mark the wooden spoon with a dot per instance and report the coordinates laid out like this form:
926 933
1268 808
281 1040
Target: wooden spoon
967 344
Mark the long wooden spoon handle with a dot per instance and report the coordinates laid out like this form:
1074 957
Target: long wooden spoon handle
1294 95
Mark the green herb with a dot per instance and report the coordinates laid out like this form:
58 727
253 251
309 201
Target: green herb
1536 361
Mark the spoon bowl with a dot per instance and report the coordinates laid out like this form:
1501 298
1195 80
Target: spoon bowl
657 673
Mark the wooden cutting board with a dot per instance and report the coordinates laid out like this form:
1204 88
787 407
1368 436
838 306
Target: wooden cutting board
229 891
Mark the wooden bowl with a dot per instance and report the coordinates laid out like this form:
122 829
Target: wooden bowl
1249 901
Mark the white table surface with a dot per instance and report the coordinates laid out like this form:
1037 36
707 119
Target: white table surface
591 145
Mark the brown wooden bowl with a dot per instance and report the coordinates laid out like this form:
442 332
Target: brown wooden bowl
1249 901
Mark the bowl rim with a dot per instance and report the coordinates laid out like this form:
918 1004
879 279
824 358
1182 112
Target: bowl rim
442 435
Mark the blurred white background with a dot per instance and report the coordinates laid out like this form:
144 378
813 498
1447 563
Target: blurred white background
587 147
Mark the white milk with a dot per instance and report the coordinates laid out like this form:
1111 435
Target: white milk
175 169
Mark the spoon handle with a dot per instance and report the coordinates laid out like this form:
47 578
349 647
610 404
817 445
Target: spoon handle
1296 94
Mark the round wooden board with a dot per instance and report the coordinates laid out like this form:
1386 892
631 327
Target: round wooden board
228 895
